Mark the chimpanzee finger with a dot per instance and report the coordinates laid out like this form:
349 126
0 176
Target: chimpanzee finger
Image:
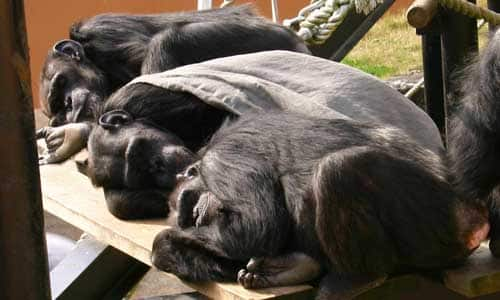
53 135
42 132
45 160
54 144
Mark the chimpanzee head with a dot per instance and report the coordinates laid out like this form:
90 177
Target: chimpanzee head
129 154
71 86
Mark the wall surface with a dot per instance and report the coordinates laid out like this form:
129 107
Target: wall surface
48 21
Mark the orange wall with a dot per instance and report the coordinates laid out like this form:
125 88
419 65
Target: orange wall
48 21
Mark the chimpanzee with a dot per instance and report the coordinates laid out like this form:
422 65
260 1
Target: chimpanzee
474 136
106 51
197 100
295 193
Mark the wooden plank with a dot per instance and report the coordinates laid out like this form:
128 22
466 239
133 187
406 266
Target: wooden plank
70 196
479 276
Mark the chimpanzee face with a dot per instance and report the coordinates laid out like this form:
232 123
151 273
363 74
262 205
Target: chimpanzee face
71 86
128 154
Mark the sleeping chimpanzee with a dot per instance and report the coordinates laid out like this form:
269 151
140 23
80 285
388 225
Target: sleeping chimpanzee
133 153
128 156
107 51
474 137
296 193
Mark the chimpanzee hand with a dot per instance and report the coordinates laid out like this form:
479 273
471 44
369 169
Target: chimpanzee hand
207 208
63 142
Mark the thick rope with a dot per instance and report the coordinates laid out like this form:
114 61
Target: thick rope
321 18
472 10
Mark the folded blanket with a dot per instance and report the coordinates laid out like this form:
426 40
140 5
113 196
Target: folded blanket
299 83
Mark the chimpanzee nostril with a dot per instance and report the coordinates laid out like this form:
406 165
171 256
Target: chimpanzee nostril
68 103
115 119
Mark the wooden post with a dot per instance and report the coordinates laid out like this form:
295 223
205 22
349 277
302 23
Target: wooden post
433 77
421 12
204 4
494 5
459 41
23 254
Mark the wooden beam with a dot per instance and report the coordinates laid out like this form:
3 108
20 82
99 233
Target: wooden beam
23 254
421 12
479 276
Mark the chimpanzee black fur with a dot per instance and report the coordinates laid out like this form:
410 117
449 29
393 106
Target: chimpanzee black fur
107 51
136 164
150 115
474 136
364 200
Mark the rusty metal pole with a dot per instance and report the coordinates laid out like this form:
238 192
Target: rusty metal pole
23 254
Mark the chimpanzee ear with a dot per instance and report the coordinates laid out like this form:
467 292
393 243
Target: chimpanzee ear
114 119
70 48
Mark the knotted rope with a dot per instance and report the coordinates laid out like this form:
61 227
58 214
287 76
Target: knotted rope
321 18
471 10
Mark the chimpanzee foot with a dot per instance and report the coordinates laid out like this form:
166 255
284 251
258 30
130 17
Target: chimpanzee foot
294 268
251 280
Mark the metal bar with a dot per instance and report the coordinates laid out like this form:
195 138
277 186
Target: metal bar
275 11
94 270
23 254
494 5
348 34
204 4
458 42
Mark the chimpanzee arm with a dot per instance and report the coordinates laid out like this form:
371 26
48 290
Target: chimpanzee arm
196 42
474 136
253 222
129 204
191 254
394 209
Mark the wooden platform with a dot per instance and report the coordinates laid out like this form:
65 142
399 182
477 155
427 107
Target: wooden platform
70 196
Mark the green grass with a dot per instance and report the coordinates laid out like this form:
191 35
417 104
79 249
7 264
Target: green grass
378 70
392 47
